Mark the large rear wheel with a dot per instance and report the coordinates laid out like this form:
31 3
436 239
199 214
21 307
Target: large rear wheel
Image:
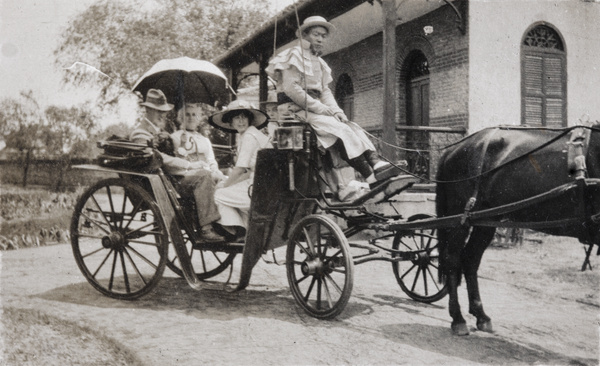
320 268
119 239
417 276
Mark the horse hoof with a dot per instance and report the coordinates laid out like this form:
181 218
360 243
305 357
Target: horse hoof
485 326
460 329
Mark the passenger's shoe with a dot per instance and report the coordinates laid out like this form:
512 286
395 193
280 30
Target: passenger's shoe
209 235
386 170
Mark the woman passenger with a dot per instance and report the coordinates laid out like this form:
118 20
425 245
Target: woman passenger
232 196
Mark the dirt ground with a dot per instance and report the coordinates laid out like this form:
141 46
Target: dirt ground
544 310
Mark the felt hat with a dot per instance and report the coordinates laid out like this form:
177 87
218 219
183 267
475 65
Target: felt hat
313 21
156 99
222 119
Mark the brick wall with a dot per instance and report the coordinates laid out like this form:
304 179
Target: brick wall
446 50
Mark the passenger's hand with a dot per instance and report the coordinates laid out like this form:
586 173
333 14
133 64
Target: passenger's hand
196 165
341 117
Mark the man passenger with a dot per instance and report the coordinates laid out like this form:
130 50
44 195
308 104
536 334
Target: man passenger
192 181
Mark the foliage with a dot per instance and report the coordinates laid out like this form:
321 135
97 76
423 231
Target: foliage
20 123
34 217
124 39
69 131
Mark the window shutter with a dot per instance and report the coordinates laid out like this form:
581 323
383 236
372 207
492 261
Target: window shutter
543 77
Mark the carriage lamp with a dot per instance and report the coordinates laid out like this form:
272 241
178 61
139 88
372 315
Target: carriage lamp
289 138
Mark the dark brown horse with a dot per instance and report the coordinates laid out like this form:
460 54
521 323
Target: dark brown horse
497 167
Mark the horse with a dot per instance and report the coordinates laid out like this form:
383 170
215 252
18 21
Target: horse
500 167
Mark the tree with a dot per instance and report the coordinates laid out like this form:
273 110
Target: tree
124 39
21 121
68 134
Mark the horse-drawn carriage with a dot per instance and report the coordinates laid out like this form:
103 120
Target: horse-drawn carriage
126 230
123 227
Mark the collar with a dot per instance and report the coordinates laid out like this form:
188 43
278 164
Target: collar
154 127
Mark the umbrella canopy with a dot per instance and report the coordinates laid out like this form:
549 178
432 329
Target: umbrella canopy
186 80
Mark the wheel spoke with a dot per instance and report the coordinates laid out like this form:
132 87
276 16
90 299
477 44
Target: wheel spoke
136 268
133 213
302 279
433 280
143 242
425 280
312 283
123 206
102 263
335 285
92 252
319 284
100 210
95 222
125 278
141 230
327 294
406 273
112 271
415 280
141 256
309 242
302 249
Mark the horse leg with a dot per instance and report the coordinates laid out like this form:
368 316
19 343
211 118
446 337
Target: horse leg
480 238
454 240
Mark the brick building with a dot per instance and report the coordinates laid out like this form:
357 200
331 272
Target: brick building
449 69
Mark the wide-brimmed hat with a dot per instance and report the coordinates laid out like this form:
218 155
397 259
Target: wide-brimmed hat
313 21
156 99
222 120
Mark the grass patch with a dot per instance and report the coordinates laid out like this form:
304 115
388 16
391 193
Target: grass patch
34 216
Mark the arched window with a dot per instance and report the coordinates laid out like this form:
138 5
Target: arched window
344 95
543 78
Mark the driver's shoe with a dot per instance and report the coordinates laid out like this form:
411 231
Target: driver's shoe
209 235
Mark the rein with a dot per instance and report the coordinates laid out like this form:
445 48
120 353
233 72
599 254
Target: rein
564 131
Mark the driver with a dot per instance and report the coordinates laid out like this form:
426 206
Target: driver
192 181
303 80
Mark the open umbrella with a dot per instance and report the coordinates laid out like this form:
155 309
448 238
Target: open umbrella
186 80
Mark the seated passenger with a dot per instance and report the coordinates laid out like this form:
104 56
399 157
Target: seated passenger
303 80
191 145
232 196
192 181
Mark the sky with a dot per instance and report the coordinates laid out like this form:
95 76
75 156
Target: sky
29 33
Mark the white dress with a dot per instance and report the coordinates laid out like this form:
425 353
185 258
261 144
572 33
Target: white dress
233 202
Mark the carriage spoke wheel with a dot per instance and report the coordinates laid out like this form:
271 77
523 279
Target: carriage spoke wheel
119 239
418 276
207 263
320 268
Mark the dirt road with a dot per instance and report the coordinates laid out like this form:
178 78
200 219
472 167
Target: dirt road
544 311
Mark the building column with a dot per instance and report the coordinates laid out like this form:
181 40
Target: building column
389 78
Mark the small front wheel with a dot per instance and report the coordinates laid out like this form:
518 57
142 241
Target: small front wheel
119 239
416 276
320 268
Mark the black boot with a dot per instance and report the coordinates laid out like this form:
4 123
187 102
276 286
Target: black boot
372 157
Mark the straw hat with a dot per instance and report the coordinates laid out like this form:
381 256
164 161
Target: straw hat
222 120
313 21
156 99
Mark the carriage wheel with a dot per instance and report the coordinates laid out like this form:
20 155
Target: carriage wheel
119 239
418 276
207 263
320 268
